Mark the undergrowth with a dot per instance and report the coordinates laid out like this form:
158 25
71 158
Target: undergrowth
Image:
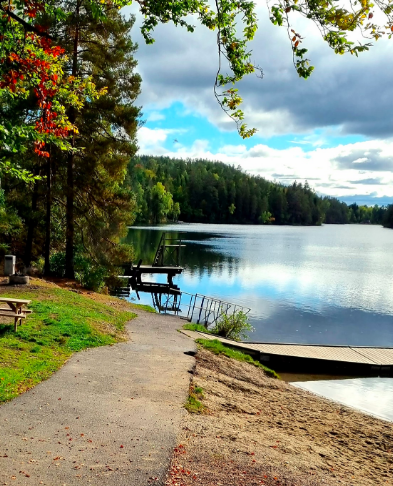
216 347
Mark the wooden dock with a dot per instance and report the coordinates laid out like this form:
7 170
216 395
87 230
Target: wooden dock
344 360
135 279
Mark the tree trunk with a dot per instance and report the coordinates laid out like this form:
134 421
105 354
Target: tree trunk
70 228
48 217
31 226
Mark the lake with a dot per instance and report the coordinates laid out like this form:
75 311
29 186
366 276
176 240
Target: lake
316 285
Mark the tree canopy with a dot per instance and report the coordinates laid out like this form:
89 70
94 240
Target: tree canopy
203 191
32 60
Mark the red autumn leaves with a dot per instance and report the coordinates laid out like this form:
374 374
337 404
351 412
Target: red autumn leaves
33 67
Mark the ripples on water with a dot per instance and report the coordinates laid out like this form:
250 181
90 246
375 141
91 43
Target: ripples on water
314 285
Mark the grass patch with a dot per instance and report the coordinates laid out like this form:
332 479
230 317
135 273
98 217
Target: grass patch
146 308
196 327
216 347
193 404
62 323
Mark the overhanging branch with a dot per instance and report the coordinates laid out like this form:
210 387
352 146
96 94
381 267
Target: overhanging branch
28 27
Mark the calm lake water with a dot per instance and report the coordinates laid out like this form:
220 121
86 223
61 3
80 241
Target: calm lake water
371 395
316 285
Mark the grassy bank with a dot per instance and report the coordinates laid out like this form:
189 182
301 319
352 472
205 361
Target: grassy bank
216 347
62 323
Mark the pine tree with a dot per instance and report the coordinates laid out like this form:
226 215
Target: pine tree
98 207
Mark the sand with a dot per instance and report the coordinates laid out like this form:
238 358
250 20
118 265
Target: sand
258 430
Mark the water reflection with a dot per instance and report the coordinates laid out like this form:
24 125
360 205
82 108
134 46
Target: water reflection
370 395
327 285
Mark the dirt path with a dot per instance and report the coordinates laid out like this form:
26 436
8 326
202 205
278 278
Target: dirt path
110 416
261 431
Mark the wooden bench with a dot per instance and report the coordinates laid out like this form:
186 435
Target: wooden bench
14 309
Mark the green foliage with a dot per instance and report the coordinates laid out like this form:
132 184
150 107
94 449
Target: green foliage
388 218
213 192
10 225
87 272
102 206
216 347
266 217
62 323
233 326
161 202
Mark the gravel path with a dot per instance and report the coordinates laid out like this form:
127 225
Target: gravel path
110 416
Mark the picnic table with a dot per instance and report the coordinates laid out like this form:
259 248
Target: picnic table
14 309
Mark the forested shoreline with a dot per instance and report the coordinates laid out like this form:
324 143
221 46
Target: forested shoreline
202 191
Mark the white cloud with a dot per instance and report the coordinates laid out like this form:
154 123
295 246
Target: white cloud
333 171
151 140
155 116
353 94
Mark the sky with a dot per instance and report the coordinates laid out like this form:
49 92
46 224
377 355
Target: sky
334 130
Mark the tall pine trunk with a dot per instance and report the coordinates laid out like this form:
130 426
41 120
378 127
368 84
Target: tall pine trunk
31 225
48 216
70 228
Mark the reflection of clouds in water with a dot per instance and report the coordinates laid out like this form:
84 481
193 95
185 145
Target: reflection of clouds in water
319 288
371 395
329 285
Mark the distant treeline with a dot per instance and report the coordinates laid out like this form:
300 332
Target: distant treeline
212 192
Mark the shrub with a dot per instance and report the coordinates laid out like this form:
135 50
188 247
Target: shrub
57 263
87 273
234 326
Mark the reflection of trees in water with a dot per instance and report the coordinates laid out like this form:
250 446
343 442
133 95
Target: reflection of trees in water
198 257
201 259
145 243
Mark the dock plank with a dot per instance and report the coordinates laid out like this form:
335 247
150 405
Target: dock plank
329 353
345 354
380 356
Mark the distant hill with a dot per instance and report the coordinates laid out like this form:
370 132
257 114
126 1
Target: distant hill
213 192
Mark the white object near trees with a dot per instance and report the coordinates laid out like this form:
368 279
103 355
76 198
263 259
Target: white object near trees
9 264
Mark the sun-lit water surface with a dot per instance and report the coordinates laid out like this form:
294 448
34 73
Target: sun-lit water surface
371 395
316 285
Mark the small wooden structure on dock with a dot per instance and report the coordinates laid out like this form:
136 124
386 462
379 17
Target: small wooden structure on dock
135 277
166 262
313 359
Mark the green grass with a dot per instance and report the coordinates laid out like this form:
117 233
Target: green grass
216 347
146 308
62 323
196 327
193 404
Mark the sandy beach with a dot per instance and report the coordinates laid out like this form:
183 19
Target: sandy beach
258 430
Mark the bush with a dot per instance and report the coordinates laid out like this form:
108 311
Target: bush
87 273
234 326
57 263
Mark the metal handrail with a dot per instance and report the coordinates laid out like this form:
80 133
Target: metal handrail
205 312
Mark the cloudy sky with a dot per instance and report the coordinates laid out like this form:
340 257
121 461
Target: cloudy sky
334 130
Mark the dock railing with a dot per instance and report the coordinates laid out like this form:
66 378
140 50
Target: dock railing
197 308
169 251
